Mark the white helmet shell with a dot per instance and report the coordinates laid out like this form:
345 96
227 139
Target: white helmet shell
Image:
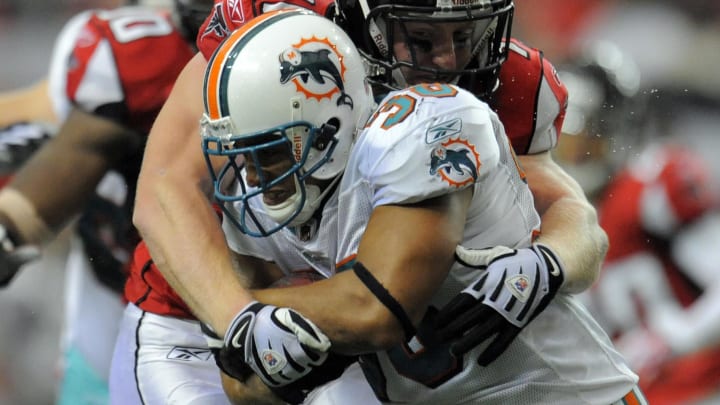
303 69
295 70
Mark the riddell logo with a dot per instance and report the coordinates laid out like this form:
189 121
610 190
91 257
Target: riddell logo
298 147
317 69
466 2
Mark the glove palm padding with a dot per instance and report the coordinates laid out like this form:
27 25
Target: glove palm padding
515 287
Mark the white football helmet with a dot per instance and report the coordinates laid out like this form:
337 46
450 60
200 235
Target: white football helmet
287 79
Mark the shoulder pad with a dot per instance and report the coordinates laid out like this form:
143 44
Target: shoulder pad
531 100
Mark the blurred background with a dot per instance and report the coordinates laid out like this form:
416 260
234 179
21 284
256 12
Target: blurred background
31 308
662 55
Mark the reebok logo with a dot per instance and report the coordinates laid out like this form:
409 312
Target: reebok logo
443 130
189 354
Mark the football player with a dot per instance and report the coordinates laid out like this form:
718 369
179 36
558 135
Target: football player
657 296
532 125
528 98
431 168
110 72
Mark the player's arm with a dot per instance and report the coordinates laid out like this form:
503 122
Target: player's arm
251 390
173 214
53 185
173 211
406 248
405 252
569 222
29 104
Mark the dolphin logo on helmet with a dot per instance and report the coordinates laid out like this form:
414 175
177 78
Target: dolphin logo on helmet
296 63
255 117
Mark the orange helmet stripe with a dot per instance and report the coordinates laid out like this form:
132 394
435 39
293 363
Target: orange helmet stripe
216 64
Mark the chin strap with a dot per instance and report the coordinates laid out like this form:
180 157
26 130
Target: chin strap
313 206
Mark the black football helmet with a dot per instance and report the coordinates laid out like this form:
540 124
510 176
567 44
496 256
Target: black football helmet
374 24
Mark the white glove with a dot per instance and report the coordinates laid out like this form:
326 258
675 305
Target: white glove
265 337
286 350
515 287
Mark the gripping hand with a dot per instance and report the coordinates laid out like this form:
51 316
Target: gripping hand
515 287
286 350
13 257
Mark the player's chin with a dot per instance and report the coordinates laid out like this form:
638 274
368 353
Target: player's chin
274 198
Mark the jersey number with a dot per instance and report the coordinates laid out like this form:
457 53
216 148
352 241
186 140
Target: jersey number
399 107
128 27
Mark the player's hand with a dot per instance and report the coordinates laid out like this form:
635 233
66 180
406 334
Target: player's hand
286 350
515 287
13 257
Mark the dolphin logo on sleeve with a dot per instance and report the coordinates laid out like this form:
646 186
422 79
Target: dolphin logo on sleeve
314 72
456 162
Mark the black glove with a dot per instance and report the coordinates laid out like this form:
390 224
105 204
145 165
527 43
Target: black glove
286 350
515 287
13 257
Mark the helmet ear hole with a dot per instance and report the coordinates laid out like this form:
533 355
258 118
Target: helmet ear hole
326 133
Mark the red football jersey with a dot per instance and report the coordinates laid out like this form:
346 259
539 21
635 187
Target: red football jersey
120 65
683 191
663 189
147 288
531 100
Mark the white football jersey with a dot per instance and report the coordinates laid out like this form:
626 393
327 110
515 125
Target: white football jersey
431 140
